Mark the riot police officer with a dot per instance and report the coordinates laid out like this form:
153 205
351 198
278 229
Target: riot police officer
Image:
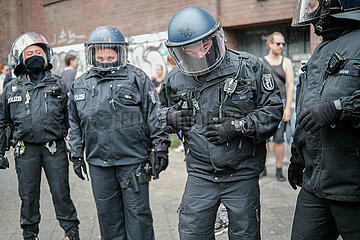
35 106
325 157
113 116
226 104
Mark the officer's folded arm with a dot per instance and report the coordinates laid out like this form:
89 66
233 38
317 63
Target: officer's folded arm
351 109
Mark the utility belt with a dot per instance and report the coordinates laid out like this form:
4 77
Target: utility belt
20 147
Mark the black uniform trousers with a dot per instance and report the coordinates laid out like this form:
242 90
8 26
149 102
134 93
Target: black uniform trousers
319 219
200 202
123 214
56 166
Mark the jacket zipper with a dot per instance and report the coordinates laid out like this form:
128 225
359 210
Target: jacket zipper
93 90
322 85
301 90
111 98
45 95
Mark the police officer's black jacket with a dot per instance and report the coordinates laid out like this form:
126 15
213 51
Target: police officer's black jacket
113 117
38 114
331 156
256 101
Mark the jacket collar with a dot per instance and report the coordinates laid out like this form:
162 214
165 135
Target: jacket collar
227 67
122 72
23 79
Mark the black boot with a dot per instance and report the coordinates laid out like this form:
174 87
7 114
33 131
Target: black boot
263 173
73 235
279 175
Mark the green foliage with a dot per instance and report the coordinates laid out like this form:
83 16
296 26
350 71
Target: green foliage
175 141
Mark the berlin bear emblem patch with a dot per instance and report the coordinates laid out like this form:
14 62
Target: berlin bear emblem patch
268 81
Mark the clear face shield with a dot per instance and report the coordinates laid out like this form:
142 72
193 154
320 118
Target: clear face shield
200 57
305 12
11 60
105 56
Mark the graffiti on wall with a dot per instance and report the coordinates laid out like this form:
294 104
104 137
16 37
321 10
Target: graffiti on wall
65 37
147 51
59 53
144 51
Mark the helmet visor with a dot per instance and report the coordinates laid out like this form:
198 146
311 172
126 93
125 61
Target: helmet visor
200 57
305 12
105 57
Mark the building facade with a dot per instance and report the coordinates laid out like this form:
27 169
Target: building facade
67 24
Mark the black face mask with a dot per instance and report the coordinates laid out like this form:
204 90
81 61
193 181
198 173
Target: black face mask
105 66
35 67
333 28
214 52
35 64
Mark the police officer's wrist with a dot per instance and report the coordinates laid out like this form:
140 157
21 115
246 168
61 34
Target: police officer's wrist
239 125
338 104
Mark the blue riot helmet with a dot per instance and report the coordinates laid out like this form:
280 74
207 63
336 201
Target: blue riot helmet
106 49
195 41
311 11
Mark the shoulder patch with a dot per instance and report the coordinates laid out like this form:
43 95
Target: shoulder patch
79 97
268 81
14 88
349 72
239 97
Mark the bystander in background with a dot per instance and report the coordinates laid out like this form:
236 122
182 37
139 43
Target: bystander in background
70 72
282 70
4 71
11 75
160 76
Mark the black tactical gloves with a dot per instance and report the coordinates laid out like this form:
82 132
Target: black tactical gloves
161 161
79 167
222 130
180 119
4 162
319 115
295 174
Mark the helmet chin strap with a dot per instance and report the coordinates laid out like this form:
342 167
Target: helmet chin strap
334 27
328 26
324 13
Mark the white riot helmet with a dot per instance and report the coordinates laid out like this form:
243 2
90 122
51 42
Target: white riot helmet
22 42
